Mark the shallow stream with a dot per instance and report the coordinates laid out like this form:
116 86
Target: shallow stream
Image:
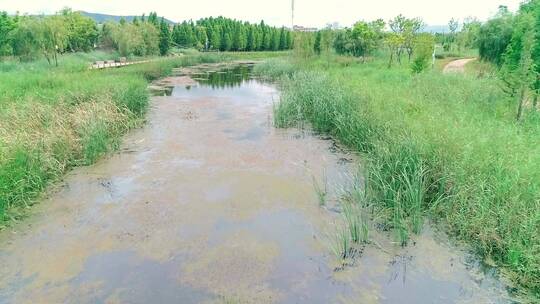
209 203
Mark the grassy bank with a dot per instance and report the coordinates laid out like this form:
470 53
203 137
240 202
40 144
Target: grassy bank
444 146
55 118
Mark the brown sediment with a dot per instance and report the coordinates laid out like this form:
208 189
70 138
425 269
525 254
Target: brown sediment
176 81
209 202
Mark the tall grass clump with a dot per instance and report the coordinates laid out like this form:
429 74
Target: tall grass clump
446 146
274 68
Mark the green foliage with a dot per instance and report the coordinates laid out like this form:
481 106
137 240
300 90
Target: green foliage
164 37
469 34
317 44
47 35
494 37
52 35
519 72
361 40
183 35
403 36
7 24
132 40
82 32
28 37
424 45
232 35
303 45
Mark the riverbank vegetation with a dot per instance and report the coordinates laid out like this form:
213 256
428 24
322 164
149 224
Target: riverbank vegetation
462 149
56 118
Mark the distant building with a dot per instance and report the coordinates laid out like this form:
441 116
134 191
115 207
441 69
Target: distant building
299 28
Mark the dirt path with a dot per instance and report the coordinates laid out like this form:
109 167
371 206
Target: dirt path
210 204
457 66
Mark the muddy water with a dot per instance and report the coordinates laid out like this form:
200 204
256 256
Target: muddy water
210 204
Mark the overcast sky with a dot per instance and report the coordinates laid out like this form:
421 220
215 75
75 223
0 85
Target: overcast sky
276 12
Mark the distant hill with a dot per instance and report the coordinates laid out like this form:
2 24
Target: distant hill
102 18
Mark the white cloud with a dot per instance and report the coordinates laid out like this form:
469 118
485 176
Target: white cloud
276 12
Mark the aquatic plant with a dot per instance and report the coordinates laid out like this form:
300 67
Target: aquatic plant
321 190
356 223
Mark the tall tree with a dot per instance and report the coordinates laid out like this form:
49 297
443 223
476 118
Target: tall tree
519 69
283 39
82 31
153 19
495 35
164 37
7 25
317 43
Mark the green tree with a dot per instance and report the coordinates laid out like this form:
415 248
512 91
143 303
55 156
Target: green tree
23 39
364 39
453 26
394 42
82 32
405 31
519 71
7 25
51 36
283 39
317 43
303 45
424 45
153 19
495 35
130 39
164 38
250 43
290 40
201 37
468 36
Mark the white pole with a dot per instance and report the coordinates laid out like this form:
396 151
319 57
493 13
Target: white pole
292 15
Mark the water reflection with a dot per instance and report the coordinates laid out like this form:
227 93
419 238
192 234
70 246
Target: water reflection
230 77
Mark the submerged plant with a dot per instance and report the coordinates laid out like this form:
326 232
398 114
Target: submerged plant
321 190
356 223
341 245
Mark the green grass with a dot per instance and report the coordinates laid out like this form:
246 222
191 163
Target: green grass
321 190
356 222
445 146
55 118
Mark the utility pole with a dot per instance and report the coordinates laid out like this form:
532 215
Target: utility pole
292 15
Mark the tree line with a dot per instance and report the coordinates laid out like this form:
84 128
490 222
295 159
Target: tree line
28 37
400 36
512 42
223 34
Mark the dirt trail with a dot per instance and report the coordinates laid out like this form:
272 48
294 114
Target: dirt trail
210 204
457 66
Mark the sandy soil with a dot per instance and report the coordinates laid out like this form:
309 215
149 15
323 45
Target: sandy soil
457 66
